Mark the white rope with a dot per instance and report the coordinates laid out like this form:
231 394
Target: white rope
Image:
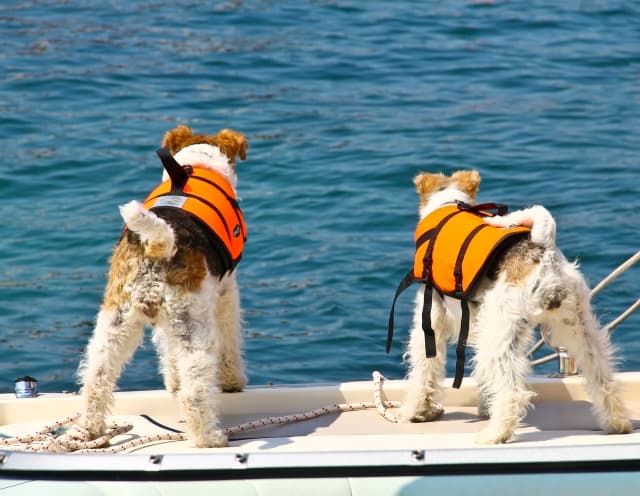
378 379
57 438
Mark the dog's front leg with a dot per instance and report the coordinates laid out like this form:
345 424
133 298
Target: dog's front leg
197 395
231 375
425 376
114 340
194 341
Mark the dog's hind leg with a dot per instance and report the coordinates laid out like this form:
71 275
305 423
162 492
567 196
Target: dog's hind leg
502 336
116 337
575 327
231 375
425 376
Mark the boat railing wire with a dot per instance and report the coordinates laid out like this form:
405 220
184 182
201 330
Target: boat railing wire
560 353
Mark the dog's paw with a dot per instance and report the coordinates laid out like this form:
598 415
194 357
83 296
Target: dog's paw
483 411
89 428
500 221
433 412
490 436
215 439
233 384
231 389
619 426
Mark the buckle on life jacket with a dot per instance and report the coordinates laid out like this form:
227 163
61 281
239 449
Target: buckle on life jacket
500 208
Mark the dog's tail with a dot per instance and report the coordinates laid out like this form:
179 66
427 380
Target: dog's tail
157 237
538 218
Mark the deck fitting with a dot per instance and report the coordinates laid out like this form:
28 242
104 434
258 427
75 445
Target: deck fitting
417 455
242 458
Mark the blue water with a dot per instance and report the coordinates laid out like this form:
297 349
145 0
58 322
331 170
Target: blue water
343 102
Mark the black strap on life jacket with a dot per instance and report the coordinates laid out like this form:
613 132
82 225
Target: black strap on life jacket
427 329
500 208
409 279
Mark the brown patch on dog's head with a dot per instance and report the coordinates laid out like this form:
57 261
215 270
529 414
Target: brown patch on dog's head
230 142
428 183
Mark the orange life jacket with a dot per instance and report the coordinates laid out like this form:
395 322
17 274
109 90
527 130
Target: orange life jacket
454 248
209 197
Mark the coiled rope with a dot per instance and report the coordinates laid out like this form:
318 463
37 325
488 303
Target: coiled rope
58 438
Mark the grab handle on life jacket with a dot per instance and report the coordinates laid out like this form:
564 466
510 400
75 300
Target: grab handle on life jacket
500 208
429 334
177 173
407 281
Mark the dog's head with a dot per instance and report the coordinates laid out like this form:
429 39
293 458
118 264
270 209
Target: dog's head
435 190
216 151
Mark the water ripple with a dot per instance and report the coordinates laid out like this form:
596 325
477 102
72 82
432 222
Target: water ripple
342 102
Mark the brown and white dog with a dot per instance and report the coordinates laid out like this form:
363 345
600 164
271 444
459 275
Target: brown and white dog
531 283
166 273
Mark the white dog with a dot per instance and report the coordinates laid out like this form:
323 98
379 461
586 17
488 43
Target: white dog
173 269
527 282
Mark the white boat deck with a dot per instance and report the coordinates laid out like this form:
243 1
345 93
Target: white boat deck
561 418
352 453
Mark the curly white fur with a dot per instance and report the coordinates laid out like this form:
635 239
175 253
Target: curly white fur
196 323
198 340
503 316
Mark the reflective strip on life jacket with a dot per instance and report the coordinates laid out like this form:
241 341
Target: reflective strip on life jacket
208 196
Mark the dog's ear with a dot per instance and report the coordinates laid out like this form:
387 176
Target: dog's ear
468 181
177 138
428 183
232 144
